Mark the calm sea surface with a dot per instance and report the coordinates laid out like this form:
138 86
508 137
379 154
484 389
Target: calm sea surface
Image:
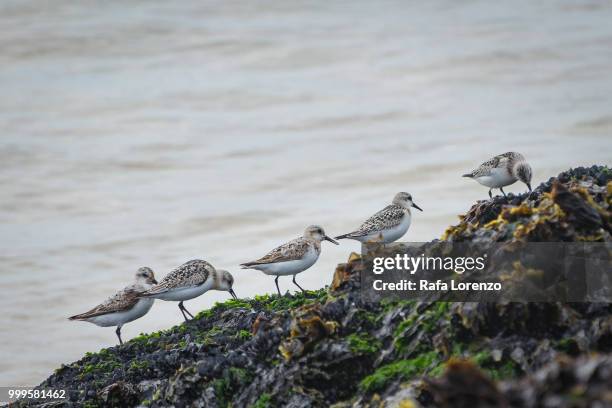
148 133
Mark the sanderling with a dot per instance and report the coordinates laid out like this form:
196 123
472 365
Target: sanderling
387 225
125 306
293 257
191 280
501 171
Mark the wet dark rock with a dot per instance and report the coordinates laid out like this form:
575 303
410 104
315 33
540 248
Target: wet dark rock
565 382
118 394
329 347
580 212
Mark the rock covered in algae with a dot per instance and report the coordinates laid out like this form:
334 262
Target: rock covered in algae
329 348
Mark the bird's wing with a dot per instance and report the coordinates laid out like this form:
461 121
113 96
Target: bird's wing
291 251
123 300
389 217
189 274
496 162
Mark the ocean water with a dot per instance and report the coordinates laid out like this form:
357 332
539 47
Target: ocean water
149 133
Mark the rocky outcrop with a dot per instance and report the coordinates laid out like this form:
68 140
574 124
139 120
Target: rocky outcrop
328 347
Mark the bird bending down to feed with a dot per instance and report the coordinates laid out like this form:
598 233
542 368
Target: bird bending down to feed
501 171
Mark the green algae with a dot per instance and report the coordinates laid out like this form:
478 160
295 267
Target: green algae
145 339
107 364
225 387
243 335
223 306
433 364
207 337
267 302
496 370
367 317
427 322
264 401
390 304
363 343
276 303
399 370
139 365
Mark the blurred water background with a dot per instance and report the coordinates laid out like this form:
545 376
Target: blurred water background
150 133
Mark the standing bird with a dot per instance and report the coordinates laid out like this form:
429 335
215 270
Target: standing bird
293 257
124 307
387 225
189 281
501 171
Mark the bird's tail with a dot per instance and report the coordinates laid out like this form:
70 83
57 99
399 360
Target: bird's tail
470 175
344 236
77 317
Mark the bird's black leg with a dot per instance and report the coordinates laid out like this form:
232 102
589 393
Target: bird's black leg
181 309
276 281
296 284
187 311
118 331
184 310
502 190
490 193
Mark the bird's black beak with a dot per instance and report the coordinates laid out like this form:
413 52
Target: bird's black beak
417 207
154 281
231 291
333 241
529 187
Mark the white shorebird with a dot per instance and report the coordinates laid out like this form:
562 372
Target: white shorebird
387 225
189 281
501 171
124 306
293 257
